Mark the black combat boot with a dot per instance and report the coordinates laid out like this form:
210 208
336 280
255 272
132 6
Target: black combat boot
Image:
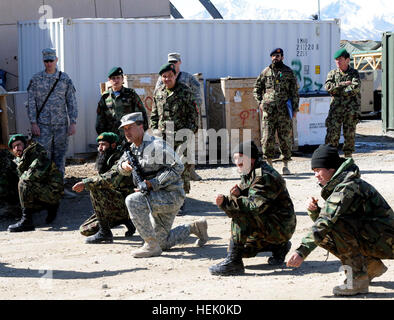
52 212
130 228
232 265
104 235
279 253
25 224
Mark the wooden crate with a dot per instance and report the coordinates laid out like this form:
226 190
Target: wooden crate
241 110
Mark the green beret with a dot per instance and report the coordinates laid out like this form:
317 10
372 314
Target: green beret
341 53
167 67
16 137
109 137
115 71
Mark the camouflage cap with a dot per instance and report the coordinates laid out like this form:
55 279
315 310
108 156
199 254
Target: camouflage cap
49 54
276 51
16 137
167 67
131 118
174 57
109 137
341 53
115 71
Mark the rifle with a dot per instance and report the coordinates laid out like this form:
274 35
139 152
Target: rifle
137 175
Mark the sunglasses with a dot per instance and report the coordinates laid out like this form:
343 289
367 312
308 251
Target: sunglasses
47 61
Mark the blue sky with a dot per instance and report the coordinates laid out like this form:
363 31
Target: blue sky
360 19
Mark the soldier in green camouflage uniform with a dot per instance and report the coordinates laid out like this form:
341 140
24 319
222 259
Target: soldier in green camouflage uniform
344 86
115 103
262 213
108 191
174 102
355 224
274 88
40 182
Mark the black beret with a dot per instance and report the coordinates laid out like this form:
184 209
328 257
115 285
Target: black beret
115 71
167 67
276 51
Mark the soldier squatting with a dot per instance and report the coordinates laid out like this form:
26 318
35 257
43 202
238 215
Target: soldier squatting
355 223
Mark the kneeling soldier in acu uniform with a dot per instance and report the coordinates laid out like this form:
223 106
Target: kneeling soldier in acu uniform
355 224
153 212
262 213
40 182
107 191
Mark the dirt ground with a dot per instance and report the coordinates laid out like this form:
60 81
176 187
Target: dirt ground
53 262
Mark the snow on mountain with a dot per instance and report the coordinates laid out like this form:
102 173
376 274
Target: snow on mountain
360 19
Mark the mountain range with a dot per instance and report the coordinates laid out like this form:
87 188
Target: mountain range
359 20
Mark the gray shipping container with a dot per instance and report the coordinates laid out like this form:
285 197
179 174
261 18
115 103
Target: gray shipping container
88 48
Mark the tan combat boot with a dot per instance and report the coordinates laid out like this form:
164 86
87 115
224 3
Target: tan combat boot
193 174
375 268
200 229
151 248
269 161
359 285
285 169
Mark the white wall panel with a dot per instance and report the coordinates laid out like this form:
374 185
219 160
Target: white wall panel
88 48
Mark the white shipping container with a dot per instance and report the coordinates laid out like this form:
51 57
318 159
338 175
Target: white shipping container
88 48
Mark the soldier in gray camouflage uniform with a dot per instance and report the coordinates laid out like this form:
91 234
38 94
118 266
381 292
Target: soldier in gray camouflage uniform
262 213
344 86
153 213
40 182
57 120
274 89
107 192
355 223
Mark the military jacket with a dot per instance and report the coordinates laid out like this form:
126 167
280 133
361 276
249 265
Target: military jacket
274 87
111 177
264 197
160 164
8 176
61 107
112 108
344 97
189 80
348 197
176 105
35 166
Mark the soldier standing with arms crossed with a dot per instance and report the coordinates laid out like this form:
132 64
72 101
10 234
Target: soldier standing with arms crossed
274 89
344 86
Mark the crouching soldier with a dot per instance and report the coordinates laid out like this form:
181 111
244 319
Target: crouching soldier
262 213
355 223
40 182
107 192
153 212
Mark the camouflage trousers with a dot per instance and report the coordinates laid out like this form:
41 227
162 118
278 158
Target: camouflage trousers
55 141
276 123
256 236
109 208
336 120
344 242
165 205
34 195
